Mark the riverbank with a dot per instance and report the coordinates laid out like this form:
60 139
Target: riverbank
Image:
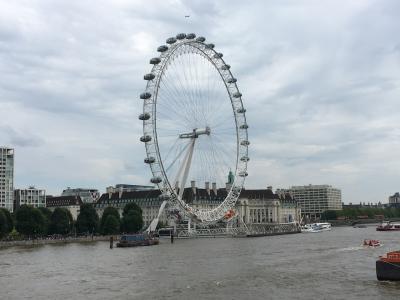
38 242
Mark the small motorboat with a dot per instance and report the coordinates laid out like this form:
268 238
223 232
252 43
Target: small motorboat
388 267
372 243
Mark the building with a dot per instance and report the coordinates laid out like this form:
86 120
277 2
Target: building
30 196
129 188
315 199
86 195
394 201
253 206
72 203
148 201
7 178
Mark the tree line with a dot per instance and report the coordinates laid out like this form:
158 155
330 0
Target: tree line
353 213
28 221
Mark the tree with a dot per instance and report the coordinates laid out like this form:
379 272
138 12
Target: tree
131 206
88 220
111 225
9 218
132 220
47 216
329 215
3 225
29 221
61 221
109 211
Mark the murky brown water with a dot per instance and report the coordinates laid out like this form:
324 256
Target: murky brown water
330 265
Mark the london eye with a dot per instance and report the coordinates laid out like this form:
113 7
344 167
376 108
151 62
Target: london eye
194 125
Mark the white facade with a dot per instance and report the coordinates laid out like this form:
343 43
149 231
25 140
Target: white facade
30 196
315 199
7 178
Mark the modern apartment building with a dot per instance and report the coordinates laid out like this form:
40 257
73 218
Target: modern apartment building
30 196
315 199
7 178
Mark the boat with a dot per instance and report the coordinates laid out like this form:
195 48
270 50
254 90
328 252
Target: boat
316 227
388 266
388 226
134 240
372 243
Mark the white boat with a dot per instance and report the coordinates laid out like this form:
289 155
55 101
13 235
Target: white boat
316 227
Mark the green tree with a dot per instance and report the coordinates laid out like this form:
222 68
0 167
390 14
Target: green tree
132 219
111 225
47 216
3 225
109 211
10 220
131 206
61 221
132 222
88 220
30 221
329 215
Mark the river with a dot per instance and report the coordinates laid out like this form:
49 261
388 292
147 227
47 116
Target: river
328 265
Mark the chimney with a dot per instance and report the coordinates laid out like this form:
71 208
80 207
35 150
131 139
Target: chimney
120 192
214 187
269 188
193 184
208 188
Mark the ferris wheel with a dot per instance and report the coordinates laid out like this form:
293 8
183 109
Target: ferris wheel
194 126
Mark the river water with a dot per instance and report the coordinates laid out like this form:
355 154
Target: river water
328 265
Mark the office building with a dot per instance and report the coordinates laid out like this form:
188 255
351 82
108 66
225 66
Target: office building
86 195
30 196
315 199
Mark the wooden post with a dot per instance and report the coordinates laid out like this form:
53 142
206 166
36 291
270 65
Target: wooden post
111 242
172 238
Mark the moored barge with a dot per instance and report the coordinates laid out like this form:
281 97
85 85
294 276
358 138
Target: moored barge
388 267
135 240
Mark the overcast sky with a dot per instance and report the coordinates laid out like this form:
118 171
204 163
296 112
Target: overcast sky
320 81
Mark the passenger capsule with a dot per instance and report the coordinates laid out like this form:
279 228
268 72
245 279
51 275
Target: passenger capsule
237 95
144 116
201 39
190 36
171 40
149 160
180 36
210 46
155 61
243 174
145 138
225 67
156 180
162 48
218 55
245 158
245 143
149 76
145 95
244 126
232 80
241 110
